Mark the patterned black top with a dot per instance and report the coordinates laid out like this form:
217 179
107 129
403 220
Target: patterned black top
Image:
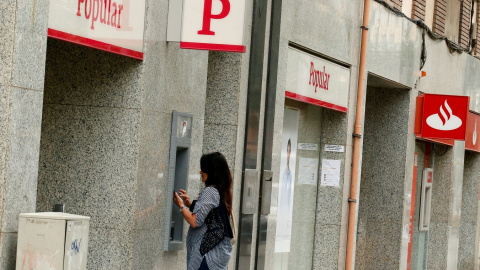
218 257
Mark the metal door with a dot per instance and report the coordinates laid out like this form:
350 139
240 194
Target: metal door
257 175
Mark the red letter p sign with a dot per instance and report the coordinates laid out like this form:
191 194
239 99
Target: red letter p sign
208 16
216 25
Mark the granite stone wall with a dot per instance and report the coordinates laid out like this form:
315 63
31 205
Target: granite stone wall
224 131
23 32
468 222
89 148
382 187
106 139
446 206
330 200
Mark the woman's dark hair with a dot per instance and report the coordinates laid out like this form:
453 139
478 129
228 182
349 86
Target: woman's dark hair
216 167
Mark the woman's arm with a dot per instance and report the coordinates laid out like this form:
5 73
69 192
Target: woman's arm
190 217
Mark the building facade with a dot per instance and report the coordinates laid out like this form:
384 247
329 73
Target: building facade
93 130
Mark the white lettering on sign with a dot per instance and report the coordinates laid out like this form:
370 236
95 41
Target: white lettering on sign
471 140
213 25
111 25
308 74
474 135
308 146
334 148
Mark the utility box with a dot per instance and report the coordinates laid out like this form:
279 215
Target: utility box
52 240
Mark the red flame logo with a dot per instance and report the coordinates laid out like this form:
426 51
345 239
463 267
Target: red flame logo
445 114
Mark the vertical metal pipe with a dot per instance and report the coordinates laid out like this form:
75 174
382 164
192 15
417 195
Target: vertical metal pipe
352 215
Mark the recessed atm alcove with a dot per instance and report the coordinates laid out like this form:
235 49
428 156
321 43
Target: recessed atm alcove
180 146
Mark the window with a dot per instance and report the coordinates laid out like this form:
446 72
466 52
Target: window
452 22
407 8
429 8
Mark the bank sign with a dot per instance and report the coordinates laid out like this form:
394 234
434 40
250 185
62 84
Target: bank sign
445 116
442 117
213 25
317 81
111 25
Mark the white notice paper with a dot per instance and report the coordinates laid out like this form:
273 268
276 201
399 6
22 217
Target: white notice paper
334 148
308 146
308 168
330 172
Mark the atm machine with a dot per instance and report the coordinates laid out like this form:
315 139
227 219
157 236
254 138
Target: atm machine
180 147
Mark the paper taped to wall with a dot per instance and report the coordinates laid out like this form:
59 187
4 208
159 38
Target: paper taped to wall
330 172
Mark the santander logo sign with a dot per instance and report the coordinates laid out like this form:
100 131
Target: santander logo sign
445 119
444 116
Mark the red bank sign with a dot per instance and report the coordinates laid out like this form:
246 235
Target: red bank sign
472 142
112 25
317 81
213 25
442 116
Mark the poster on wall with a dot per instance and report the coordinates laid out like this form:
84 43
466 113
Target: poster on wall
307 171
184 127
287 181
330 172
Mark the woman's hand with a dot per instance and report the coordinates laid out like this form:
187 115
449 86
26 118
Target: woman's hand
190 217
185 197
177 200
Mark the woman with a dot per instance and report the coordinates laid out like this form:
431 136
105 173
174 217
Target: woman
209 246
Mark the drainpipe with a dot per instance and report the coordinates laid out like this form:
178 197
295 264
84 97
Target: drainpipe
357 139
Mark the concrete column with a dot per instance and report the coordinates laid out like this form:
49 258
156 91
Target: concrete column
446 207
328 222
225 106
23 32
468 222
386 180
222 122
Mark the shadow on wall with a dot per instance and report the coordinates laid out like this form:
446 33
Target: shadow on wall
84 76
